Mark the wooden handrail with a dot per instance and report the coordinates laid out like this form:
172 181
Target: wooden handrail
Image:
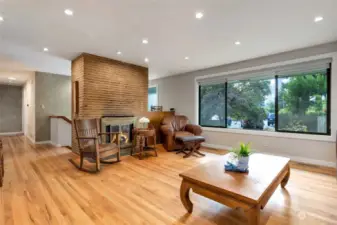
61 117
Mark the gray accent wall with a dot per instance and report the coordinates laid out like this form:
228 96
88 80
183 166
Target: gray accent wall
10 108
52 97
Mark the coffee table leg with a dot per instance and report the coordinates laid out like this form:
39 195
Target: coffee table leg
285 180
185 196
254 215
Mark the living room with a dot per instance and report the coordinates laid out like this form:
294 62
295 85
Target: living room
153 112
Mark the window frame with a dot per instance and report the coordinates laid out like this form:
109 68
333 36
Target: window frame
276 77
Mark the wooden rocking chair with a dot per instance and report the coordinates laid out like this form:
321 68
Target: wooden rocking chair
90 144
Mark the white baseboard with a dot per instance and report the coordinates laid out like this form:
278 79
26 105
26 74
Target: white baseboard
56 145
30 139
11 133
43 142
293 158
220 147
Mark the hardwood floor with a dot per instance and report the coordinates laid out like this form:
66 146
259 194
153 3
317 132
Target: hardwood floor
41 187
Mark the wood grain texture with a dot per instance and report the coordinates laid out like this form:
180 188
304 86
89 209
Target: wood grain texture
41 187
250 187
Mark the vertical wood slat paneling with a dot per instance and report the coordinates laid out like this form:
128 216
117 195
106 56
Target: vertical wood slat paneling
107 86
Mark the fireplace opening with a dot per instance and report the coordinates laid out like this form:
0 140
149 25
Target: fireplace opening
126 134
122 124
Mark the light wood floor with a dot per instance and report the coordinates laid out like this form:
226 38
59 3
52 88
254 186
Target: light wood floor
41 187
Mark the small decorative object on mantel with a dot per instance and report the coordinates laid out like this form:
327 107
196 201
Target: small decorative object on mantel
144 122
156 108
238 159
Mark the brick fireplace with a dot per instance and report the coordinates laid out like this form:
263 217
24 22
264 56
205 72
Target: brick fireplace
107 87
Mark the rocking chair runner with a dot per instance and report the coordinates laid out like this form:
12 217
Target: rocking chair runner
90 144
2 169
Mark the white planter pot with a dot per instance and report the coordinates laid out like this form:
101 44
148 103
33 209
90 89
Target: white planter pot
243 163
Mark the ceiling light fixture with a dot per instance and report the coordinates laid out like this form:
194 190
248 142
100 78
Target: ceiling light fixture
146 60
187 58
45 49
145 41
1 18
68 12
318 19
11 78
199 15
237 43
119 53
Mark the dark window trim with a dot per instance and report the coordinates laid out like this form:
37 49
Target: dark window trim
276 103
329 100
328 133
226 113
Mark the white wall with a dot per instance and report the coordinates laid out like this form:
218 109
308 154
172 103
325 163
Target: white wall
180 92
60 132
28 115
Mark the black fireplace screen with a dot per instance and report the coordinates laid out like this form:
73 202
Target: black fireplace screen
125 130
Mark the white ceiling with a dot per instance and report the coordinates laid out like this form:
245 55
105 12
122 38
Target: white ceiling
21 77
103 27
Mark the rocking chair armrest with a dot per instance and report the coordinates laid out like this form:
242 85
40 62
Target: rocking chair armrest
108 133
94 138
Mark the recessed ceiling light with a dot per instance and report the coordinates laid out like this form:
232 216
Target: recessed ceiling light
119 53
45 49
199 15
146 60
145 41
1 18
68 12
237 43
318 19
186 57
11 78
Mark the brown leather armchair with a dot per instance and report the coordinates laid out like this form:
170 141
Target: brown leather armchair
174 126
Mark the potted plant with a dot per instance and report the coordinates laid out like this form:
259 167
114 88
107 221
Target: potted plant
242 153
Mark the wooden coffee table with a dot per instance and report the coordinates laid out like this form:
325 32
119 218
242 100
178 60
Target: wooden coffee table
249 191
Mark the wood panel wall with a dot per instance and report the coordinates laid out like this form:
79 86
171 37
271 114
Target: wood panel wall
108 86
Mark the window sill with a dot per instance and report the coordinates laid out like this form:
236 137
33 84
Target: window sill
312 137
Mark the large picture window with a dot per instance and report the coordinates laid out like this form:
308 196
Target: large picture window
285 100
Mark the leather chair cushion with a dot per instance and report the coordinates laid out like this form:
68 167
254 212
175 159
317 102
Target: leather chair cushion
191 139
183 134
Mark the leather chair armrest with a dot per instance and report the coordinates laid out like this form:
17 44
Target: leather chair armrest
167 130
194 129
